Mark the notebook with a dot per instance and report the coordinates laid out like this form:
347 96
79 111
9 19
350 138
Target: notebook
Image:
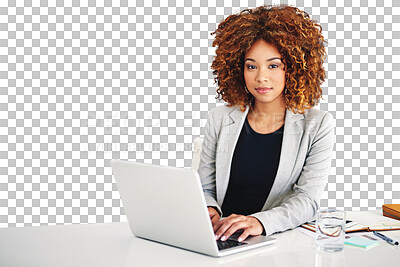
374 227
167 205
356 227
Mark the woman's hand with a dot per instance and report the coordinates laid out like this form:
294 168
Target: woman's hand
228 226
214 215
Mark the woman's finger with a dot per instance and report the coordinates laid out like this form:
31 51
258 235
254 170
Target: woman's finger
223 223
245 234
222 226
243 224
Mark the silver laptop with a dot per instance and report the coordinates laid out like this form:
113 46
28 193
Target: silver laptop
167 205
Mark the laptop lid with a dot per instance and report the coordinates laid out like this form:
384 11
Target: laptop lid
165 204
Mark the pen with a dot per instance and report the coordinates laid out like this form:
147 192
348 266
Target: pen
387 239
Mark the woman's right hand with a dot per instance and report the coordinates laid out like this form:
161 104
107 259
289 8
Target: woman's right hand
214 215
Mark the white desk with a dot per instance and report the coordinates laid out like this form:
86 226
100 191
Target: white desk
111 244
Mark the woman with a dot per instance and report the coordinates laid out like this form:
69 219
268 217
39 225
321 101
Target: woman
267 153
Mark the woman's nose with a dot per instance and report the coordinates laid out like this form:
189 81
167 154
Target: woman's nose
263 75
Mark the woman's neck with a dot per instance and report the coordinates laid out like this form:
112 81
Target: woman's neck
269 112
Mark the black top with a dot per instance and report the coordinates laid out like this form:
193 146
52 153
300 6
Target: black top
254 165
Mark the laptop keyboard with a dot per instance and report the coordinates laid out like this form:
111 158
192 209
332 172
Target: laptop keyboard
229 244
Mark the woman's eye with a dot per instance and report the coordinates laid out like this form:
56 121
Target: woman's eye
273 66
251 67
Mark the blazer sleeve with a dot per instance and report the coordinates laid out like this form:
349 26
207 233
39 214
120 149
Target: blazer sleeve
207 162
303 203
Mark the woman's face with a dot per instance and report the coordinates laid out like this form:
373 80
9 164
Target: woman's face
264 73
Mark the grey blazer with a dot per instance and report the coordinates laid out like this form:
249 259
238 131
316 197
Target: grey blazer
303 170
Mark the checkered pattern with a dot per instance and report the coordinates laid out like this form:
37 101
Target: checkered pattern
82 82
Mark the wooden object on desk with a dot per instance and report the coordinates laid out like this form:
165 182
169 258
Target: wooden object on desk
391 211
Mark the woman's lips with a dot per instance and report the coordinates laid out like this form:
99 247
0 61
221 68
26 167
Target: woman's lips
263 90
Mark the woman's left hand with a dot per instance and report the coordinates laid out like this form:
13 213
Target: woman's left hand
228 226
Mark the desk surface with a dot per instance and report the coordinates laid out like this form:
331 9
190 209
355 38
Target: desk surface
112 244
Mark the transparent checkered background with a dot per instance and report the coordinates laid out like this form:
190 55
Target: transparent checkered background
83 82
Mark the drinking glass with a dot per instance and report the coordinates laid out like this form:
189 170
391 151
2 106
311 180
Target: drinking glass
330 230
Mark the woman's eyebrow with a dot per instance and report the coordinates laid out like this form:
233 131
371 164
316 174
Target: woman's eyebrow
272 58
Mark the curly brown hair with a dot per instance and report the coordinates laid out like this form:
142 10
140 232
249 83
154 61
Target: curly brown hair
298 39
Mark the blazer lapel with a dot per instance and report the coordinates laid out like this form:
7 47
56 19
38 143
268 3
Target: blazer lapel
292 135
232 126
